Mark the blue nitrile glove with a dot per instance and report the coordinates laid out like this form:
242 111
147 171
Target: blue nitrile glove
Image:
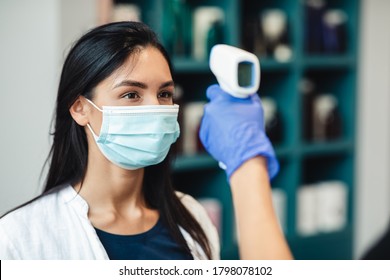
232 130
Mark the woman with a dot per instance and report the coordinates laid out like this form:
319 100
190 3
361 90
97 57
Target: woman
108 194
91 186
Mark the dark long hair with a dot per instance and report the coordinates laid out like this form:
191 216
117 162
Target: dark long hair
94 57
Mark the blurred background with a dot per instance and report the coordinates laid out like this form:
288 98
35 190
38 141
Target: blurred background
325 87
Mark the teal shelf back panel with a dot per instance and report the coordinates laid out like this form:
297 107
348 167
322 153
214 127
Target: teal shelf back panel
333 246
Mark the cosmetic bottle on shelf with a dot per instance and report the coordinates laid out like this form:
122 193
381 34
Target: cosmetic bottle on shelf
326 118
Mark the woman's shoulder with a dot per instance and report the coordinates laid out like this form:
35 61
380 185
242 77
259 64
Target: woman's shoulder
36 209
200 214
47 226
197 210
191 204
27 224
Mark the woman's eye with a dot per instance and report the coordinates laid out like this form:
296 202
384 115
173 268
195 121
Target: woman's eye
165 94
131 95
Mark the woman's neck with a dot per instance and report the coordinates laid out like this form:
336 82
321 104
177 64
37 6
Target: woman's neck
115 197
108 186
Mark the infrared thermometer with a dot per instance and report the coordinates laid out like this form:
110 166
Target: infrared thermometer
237 71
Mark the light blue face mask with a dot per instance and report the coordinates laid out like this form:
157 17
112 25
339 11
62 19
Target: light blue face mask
133 137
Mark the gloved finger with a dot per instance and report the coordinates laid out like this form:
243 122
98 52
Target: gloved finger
214 92
255 98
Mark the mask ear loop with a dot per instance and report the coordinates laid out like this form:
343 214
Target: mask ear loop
95 137
88 125
94 105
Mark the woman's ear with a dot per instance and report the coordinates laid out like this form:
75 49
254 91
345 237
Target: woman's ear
80 111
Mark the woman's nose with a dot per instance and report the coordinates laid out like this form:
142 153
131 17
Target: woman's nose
151 99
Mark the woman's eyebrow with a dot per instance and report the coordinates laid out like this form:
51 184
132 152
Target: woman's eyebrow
141 85
131 83
167 84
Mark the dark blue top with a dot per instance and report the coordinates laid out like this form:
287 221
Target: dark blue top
154 244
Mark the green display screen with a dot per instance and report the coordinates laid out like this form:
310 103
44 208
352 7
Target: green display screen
245 74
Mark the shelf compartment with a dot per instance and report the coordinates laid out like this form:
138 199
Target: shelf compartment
328 167
315 28
279 86
340 83
150 13
180 27
251 34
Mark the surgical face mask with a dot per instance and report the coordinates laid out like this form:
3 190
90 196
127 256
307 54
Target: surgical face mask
133 137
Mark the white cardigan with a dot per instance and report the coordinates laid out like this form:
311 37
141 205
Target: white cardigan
56 227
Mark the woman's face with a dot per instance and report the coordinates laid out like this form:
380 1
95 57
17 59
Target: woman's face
144 79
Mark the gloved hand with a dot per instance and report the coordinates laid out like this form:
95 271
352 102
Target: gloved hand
232 130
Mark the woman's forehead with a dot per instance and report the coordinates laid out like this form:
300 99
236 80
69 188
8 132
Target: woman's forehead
146 64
